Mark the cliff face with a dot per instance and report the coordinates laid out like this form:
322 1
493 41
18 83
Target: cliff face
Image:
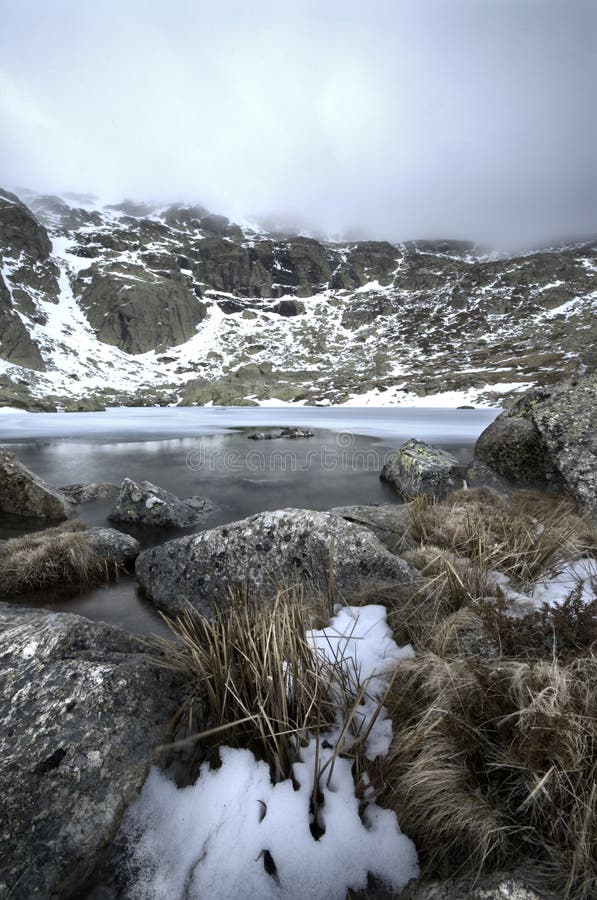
140 304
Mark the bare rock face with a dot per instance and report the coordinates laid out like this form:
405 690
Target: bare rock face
147 504
24 494
82 707
20 231
548 437
417 468
261 552
16 345
137 310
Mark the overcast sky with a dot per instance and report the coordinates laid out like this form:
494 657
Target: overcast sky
400 118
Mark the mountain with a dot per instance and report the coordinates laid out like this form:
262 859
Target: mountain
139 304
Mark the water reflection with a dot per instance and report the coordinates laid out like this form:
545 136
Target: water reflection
241 477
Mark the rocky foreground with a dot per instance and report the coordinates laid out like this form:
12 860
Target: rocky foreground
83 706
134 304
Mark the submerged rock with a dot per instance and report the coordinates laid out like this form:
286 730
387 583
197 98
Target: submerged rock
548 437
285 433
148 504
114 546
260 553
85 493
82 708
24 494
417 468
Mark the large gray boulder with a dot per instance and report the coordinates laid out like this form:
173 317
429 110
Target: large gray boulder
262 552
24 494
417 468
82 708
145 503
548 437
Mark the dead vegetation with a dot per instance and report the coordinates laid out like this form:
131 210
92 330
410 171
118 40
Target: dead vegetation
54 557
252 678
493 762
494 758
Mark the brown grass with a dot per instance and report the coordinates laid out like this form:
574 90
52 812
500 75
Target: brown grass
495 762
54 557
252 679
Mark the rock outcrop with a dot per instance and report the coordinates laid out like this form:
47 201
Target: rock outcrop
20 232
82 709
138 310
147 504
417 468
24 494
548 438
261 553
16 345
134 278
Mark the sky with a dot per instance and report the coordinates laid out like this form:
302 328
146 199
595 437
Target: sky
388 119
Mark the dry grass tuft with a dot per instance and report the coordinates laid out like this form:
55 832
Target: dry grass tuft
252 679
496 762
521 538
57 556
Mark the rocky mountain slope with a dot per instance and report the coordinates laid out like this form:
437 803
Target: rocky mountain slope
138 304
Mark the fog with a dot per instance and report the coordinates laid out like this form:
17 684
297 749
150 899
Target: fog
389 119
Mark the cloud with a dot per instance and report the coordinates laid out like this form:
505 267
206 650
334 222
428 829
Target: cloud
401 118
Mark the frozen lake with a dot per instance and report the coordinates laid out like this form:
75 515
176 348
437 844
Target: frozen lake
206 452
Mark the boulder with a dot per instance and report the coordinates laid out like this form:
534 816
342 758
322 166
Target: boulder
82 708
387 522
148 504
417 468
548 438
114 546
24 494
262 552
85 493
513 447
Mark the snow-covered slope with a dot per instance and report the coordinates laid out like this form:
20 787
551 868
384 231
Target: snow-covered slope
140 304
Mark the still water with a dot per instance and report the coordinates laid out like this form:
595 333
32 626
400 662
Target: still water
207 452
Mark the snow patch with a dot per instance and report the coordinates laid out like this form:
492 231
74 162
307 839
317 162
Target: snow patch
235 834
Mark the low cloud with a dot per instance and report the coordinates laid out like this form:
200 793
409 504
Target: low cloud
395 119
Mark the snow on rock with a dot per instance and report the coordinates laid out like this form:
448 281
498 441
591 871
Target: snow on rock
234 833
